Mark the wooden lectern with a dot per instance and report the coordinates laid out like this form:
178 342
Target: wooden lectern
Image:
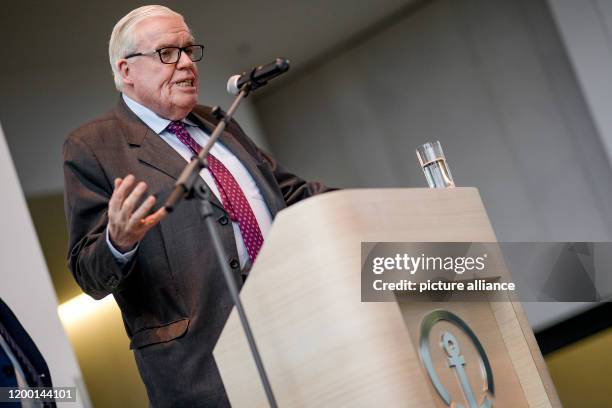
323 347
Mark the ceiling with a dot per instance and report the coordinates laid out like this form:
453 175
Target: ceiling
241 34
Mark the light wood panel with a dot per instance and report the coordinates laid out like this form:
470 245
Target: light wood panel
321 345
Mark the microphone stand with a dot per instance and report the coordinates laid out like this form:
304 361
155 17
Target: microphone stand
189 186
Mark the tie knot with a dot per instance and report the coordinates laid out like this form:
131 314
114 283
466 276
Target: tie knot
176 125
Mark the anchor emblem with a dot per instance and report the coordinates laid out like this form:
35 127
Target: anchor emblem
455 361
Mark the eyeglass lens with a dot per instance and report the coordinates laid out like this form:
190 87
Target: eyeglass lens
171 55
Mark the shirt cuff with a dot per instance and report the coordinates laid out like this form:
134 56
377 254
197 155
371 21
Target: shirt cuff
121 259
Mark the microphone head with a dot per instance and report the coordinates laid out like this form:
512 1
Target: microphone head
282 64
232 85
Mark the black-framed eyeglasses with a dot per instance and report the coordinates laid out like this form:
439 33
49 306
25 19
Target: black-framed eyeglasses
171 55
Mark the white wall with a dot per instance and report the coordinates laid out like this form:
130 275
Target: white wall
26 287
586 30
490 79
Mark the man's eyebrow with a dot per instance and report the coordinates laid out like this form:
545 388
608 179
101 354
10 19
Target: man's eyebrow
164 45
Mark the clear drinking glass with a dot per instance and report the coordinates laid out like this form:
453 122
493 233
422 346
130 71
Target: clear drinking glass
434 165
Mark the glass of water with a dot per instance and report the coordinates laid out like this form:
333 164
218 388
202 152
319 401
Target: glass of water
434 165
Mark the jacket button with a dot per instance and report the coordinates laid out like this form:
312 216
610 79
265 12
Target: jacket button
112 281
233 263
223 220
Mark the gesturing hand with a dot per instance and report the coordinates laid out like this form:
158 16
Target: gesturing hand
126 226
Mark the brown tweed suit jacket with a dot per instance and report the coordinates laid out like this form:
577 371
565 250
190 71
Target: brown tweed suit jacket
172 295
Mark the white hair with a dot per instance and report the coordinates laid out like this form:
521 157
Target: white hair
122 42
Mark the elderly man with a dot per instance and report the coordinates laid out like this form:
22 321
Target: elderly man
161 269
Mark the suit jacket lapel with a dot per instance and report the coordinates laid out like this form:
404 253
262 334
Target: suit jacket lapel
153 150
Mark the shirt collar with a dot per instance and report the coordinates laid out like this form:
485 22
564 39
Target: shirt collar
150 118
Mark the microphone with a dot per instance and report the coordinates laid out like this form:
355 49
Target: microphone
258 76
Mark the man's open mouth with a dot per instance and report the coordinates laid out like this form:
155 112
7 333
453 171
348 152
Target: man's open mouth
185 83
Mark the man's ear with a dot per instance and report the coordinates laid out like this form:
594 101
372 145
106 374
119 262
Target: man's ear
123 67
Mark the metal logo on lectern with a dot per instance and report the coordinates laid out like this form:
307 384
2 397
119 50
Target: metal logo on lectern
456 362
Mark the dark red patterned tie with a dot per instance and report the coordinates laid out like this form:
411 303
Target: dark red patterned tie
232 196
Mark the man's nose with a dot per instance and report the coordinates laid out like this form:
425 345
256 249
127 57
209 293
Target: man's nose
184 61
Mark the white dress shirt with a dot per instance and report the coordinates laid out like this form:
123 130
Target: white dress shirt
229 160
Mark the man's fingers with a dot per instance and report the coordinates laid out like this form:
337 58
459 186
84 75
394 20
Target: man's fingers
125 187
156 217
142 211
122 187
129 204
113 204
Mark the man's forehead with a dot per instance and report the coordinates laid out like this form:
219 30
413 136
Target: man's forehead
162 31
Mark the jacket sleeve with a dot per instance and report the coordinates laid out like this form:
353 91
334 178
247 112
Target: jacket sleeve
87 190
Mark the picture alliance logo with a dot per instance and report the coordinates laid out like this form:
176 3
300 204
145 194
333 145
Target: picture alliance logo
414 264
